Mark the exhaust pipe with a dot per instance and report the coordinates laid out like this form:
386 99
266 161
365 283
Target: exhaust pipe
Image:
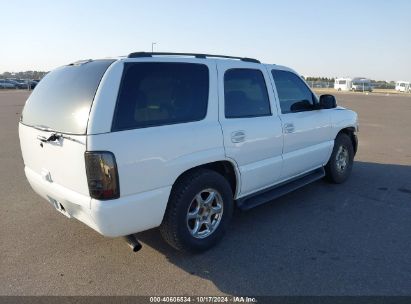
133 242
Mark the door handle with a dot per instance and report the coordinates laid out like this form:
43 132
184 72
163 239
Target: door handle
289 128
238 136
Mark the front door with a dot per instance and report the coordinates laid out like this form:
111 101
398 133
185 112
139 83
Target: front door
307 130
251 127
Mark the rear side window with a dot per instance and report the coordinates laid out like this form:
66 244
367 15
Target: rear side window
155 94
63 98
293 93
245 94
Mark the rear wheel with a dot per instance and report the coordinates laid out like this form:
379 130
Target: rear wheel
339 167
198 212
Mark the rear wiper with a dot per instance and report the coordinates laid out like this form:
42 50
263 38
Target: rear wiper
56 137
52 137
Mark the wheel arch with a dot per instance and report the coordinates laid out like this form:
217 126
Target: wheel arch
226 168
350 131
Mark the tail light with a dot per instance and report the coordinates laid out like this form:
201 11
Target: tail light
102 175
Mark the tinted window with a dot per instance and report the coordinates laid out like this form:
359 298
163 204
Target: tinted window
245 94
343 82
63 98
293 93
154 94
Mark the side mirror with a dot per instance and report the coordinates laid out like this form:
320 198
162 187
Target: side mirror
301 106
328 101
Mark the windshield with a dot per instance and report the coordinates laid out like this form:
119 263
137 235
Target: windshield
63 98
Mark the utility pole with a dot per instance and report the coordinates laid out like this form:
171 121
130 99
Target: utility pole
152 46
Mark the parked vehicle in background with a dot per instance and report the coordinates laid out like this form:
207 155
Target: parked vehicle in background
343 84
361 85
177 141
19 84
6 84
403 86
31 84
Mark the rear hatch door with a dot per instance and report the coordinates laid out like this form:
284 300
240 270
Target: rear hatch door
54 122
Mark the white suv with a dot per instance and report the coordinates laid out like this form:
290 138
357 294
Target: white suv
178 141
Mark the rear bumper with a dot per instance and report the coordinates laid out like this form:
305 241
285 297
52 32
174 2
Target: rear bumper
119 217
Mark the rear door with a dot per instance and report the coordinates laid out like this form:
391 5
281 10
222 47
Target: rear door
60 105
251 127
307 130
60 162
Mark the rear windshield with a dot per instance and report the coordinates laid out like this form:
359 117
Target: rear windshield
62 99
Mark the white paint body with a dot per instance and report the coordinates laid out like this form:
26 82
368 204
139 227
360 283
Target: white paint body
403 86
343 84
151 159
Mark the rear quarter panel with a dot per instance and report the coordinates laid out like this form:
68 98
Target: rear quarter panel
152 158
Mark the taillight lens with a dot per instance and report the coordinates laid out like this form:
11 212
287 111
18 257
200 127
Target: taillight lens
102 175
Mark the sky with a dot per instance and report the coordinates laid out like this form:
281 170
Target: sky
333 38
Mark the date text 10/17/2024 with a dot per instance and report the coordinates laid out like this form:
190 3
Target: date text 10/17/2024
202 299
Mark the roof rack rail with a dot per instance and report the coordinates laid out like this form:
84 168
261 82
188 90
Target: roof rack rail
203 56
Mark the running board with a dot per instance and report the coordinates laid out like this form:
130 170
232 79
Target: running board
272 193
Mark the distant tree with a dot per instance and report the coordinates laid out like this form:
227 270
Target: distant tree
24 75
323 79
6 75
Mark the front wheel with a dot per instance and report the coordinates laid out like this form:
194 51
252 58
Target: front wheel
339 167
198 212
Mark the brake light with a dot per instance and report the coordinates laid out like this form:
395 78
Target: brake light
102 175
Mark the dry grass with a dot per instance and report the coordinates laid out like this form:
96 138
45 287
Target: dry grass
375 91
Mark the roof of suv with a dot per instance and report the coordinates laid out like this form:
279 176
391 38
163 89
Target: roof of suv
172 55
196 55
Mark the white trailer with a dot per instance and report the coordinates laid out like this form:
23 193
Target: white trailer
402 86
343 84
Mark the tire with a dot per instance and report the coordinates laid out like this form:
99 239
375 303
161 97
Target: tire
186 211
340 164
